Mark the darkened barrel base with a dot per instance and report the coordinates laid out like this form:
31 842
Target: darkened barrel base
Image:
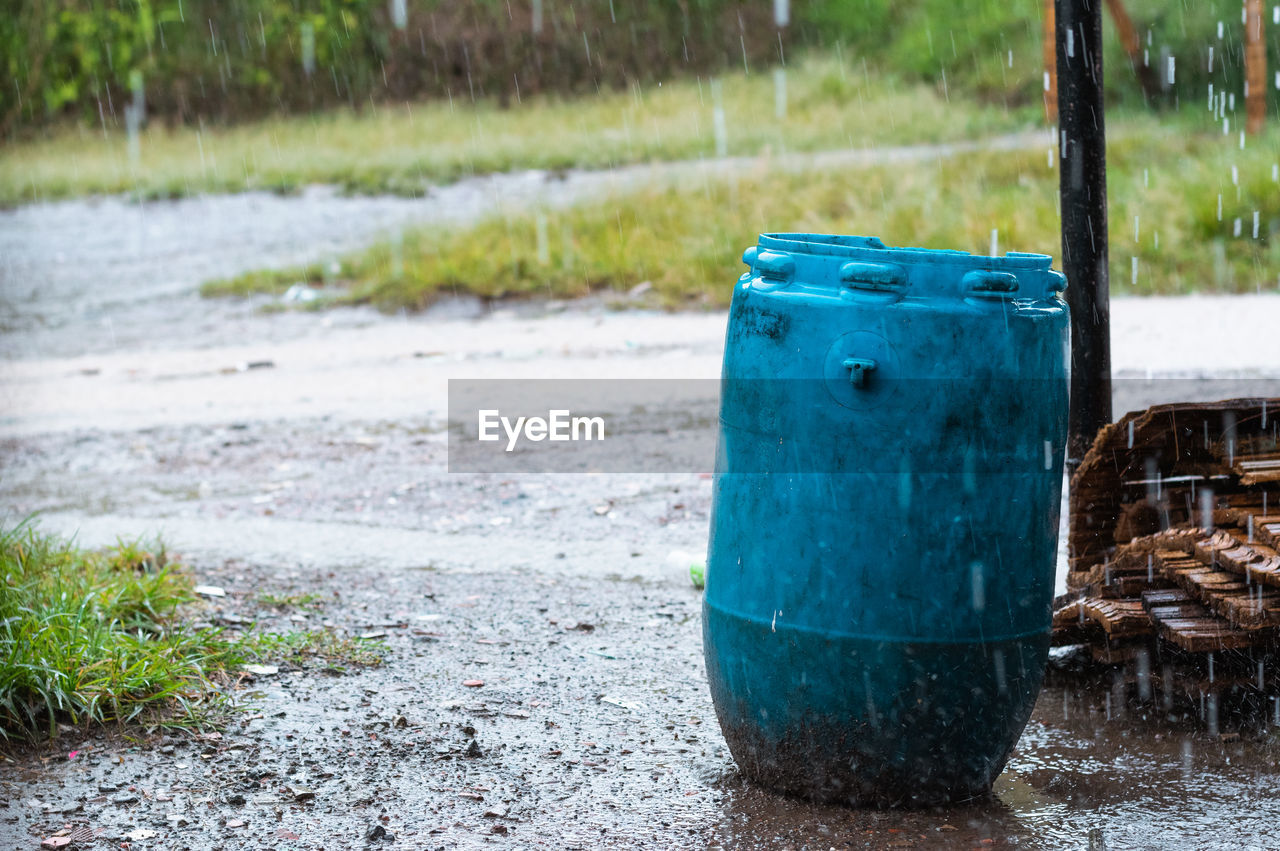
906 724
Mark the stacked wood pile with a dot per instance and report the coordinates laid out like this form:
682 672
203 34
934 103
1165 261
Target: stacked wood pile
1174 535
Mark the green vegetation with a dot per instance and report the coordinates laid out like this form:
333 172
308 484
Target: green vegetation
984 48
231 59
861 74
829 105
686 239
98 637
217 60
303 600
335 650
993 50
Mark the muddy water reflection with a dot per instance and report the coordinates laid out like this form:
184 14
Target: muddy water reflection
1134 782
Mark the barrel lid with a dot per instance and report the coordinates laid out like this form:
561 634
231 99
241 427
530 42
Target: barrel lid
871 248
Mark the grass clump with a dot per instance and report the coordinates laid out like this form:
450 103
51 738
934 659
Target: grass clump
98 637
93 636
831 102
334 649
306 599
685 239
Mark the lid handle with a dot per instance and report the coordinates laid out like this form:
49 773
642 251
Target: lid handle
880 277
989 284
775 266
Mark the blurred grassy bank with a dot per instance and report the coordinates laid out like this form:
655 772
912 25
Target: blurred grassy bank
468 88
193 61
820 103
1183 208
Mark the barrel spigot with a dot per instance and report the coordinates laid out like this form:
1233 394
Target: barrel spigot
858 370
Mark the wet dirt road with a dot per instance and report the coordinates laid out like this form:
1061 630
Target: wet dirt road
325 473
106 273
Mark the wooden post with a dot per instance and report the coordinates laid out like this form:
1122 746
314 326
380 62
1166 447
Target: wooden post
1050 65
1255 68
1132 44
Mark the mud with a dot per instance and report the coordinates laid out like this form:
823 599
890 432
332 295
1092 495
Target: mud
325 473
593 728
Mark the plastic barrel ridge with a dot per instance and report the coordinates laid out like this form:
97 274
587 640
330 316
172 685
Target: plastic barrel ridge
885 515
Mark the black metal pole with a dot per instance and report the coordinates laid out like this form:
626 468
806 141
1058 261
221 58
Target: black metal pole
1083 193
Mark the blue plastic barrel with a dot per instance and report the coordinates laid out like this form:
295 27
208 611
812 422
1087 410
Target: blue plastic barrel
885 517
